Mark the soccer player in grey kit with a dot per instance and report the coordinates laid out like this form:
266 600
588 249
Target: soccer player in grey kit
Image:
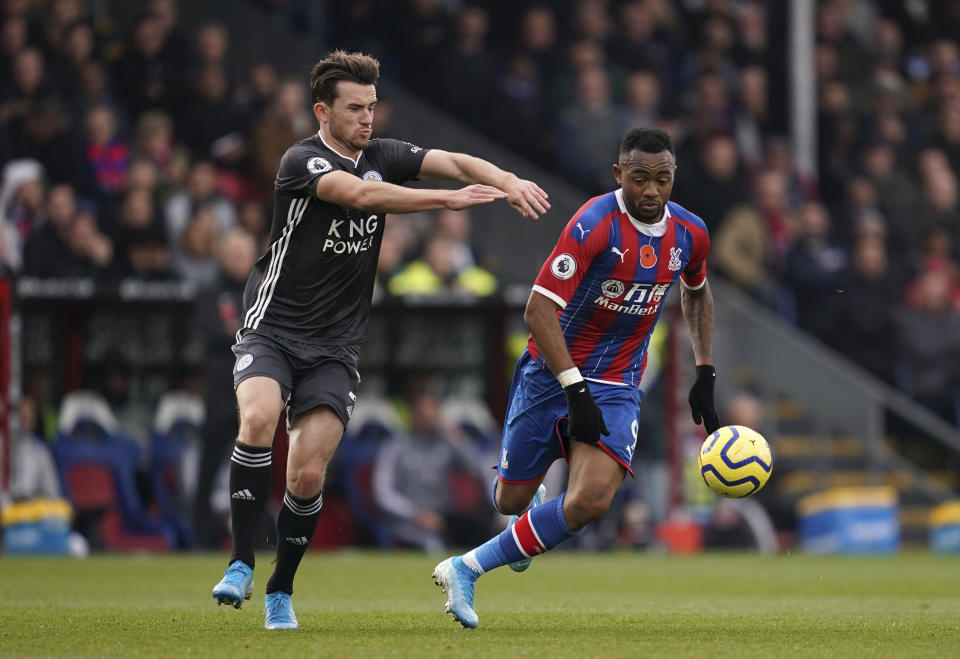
307 303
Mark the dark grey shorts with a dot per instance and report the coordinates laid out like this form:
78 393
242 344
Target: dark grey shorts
308 375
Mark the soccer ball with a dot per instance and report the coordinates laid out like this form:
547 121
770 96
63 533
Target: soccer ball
735 461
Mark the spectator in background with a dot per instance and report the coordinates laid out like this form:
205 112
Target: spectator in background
208 113
412 483
713 183
211 44
193 256
752 241
21 203
218 312
520 112
468 57
28 83
396 241
140 238
435 273
929 346
13 39
896 194
76 52
33 472
46 252
255 218
106 151
642 98
865 329
539 40
44 134
257 95
588 132
154 142
91 250
93 90
815 273
201 190
638 43
286 122
940 206
778 156
149 73
751 120
455 226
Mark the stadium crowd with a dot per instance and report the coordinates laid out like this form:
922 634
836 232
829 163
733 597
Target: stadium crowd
129 151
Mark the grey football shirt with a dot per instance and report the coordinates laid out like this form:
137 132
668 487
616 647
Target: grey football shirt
315 281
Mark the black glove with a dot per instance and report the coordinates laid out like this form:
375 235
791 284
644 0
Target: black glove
585 418
701 399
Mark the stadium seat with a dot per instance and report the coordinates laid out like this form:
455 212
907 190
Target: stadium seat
177 425
98 473
373 421
473 417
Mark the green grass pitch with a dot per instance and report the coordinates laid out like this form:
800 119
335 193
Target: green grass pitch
567 604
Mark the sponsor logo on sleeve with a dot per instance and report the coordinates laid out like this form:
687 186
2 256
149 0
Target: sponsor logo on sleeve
318 165
564 266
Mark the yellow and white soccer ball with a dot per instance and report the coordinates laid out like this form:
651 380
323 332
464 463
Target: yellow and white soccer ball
735 461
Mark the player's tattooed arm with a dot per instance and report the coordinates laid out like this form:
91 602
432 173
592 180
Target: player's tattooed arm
697 306
526 197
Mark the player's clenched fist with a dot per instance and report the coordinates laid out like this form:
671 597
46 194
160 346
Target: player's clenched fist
585 420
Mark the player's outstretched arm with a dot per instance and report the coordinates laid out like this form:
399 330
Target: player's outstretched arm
345 189
585 420
526 197
697 306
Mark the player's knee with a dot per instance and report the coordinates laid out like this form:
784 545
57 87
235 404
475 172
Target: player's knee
580 509
305 482
256 427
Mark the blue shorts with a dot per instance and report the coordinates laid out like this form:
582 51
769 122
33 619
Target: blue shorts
537 411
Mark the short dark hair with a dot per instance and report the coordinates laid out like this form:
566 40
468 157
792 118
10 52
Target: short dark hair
341 65
648 140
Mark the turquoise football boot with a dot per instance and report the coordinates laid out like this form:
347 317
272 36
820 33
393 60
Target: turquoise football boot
279 612
236 585
458 581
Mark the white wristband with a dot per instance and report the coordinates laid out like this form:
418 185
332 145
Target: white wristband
569 376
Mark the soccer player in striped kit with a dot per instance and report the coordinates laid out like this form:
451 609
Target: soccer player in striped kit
307 303
591 313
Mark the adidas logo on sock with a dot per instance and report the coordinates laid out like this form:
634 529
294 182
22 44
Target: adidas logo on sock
246 495
297 541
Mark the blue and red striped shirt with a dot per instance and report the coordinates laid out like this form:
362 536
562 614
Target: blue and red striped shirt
610 274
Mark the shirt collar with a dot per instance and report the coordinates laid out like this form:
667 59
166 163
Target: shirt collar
656 230
356 161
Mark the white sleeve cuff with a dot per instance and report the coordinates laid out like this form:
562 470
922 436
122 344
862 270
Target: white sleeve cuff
550 294
694 288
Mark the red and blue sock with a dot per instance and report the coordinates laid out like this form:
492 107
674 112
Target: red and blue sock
538 530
